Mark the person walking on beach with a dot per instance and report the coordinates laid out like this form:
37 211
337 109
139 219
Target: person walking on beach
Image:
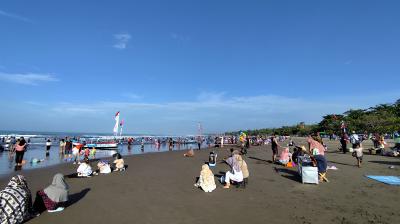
62 146
19 152
274 147
358 154
355 140
48 146
343 142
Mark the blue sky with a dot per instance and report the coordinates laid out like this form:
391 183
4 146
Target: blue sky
167 65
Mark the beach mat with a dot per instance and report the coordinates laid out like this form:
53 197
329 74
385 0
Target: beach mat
391 180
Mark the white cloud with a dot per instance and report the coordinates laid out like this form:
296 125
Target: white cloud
27 79
15 16
179 37
132 96
217 111
122 40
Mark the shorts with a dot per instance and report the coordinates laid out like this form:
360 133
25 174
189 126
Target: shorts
274 150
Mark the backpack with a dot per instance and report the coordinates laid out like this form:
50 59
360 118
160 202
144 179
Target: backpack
355 140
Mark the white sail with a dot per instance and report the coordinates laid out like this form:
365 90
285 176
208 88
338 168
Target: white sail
116 123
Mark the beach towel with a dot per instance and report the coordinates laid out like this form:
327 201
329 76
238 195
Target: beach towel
391 180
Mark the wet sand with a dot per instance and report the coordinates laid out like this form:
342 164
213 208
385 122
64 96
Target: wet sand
158 188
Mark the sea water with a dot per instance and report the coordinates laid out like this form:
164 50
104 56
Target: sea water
37 150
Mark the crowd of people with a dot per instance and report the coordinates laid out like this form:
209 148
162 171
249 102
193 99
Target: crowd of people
16 204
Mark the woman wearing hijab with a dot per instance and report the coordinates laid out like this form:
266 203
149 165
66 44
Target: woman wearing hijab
236 173
53 197
15 201
243 167
206 180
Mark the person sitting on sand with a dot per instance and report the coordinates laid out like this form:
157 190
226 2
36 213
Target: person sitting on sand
206 180
119 162
15 201
190 153
104 167
298 151
84 169
212 159
316 149
285 156
52 198
236 173
243 167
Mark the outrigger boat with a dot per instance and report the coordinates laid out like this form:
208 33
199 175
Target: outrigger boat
97 143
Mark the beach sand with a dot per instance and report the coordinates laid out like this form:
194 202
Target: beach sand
158 188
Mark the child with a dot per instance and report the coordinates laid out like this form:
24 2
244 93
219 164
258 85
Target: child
87 153
119 162
93 153
358 153
190 153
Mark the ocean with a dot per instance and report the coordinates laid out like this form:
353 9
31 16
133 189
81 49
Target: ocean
37 150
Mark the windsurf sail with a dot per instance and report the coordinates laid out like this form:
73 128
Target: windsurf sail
116 123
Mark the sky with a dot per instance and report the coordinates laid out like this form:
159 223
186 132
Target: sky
167 65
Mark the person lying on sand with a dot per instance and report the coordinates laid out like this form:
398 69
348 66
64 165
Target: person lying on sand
206 180
52 198
190 153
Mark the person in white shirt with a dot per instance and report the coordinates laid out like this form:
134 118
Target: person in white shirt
75 153
85 170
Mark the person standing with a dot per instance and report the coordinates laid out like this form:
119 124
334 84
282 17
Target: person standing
355 140
19 152
343 142
62 146
274 147
48 146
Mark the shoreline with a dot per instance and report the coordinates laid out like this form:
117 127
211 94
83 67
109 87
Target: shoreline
158 188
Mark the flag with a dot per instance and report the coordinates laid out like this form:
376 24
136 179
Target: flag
116 123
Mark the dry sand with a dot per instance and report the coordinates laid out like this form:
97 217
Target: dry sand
158 188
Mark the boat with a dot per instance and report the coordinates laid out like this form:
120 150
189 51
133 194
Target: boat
97 143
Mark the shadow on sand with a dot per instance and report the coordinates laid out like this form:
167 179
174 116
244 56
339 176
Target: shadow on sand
74 198
261 160
345 164
289 174
390 163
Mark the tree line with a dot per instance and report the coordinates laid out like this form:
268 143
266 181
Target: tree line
382 119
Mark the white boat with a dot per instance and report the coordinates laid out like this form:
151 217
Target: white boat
97 143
